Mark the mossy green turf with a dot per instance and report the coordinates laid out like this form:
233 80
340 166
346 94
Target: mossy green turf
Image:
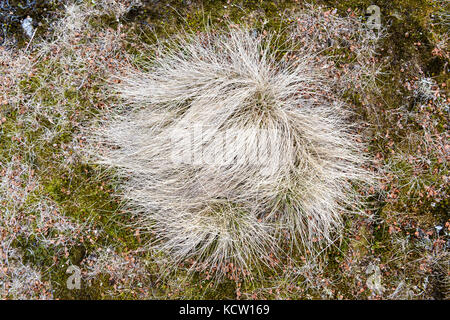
85 195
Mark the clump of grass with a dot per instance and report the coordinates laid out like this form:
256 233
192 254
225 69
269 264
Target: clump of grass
232 150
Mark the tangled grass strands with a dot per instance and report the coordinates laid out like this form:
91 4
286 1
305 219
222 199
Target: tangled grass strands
229 150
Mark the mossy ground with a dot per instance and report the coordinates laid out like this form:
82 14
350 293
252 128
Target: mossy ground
400 239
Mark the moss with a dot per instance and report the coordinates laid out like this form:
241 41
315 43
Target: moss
79 193
85 200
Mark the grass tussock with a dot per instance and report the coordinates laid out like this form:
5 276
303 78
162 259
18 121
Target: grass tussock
233 151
